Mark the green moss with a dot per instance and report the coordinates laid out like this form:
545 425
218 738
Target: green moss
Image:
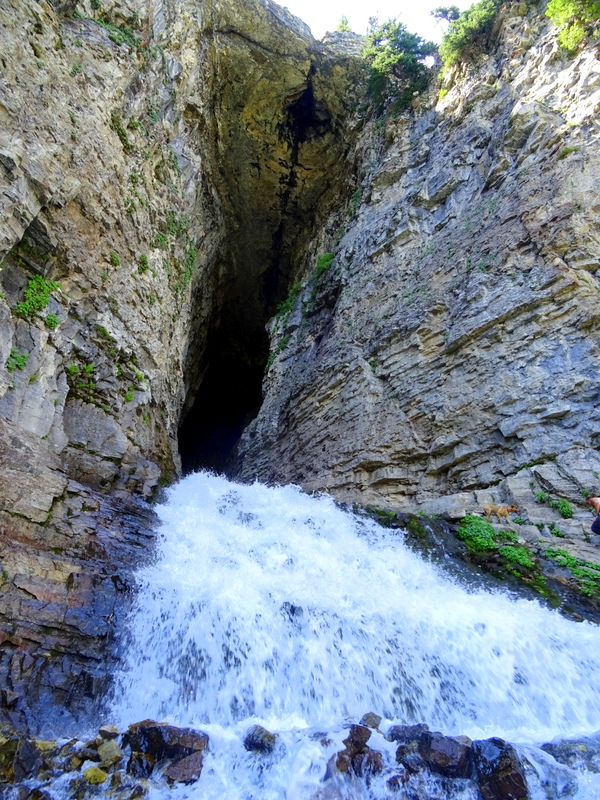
564 508
116 123
324 261
566 151
279 348
585 573
114 259
285 308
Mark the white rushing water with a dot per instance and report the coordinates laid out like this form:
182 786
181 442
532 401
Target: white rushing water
267 605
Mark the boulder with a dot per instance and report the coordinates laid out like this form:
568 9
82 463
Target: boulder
95 775
186 770
446 755
499 771
371 720
108 732
109 752
260 740
160 740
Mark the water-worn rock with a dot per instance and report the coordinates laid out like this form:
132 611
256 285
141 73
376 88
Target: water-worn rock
95 775
260 740
160 740
186 770
500 773
447 755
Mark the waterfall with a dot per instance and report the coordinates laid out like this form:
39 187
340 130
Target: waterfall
265 605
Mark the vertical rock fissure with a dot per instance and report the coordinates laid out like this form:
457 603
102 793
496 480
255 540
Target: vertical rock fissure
230 392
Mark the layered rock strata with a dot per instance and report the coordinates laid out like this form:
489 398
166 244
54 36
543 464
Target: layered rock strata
155 159
452 343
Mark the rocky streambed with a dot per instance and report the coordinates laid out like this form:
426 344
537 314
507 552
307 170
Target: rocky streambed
407 761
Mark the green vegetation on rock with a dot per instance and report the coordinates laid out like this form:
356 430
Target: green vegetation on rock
37 296
586 573
575 18
396 58
16 360
468 34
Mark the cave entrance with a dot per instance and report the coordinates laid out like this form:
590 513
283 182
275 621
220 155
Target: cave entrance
229 397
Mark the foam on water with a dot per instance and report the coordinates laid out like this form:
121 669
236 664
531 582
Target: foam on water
265 604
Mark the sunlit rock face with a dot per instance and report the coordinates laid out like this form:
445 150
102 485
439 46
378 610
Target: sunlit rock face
161 165
453 340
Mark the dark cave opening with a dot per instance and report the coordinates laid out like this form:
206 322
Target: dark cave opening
229 395
228 399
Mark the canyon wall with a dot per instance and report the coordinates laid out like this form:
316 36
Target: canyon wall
156 159
175 174
449 354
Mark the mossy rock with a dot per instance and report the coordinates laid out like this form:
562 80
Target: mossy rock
95 775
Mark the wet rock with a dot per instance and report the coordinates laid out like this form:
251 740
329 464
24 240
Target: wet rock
371 720
500 773
396 782
109 732
447 755
405 734
186 770
412 762
580 754
357 758
160 740
357 738
28 760
109 752
95 775
140 765
260 740
368 762
88 754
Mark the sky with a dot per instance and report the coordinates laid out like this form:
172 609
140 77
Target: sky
324 15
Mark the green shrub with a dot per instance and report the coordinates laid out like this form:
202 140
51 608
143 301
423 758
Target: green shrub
37 296
541 497
564 508
52 321
477 534
517 555
114 260
396 59
575 18
16 360
143 265
468 35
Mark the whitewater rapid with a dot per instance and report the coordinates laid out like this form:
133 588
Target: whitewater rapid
268 605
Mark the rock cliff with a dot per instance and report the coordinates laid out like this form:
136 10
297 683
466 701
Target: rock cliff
162 165
443 353
172 173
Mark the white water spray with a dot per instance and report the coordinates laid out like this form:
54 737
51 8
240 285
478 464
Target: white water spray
266 605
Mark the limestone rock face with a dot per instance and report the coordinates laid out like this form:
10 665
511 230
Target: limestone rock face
151 155
453 340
